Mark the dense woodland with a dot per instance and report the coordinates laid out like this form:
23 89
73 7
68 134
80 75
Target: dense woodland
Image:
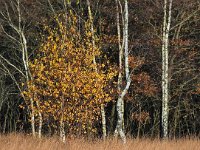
100 68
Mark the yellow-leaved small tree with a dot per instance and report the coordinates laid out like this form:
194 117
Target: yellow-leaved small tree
65 85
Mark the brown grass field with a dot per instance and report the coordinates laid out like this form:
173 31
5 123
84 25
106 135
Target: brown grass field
24 142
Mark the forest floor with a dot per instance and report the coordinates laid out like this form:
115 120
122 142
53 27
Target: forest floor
24 142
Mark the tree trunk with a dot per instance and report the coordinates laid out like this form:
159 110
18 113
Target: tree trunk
62 130
120 101
165 68
28 75
103 117
112 120
40 121
94 61
120 47
40 126
23 44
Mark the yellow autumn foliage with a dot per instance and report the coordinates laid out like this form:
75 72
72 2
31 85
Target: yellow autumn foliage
64 80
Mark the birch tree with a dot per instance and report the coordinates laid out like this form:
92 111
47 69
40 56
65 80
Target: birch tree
103 116
122 90
21 41
75 90
165 68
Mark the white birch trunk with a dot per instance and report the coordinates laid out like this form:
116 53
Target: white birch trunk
120 47
165 68
103 120
119 84
21 40
103 116
40 121
25 62
40 126
23 43
120 101
62 131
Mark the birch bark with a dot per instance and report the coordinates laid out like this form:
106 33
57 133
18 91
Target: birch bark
165 68
21 40
22 43
103 115
122 91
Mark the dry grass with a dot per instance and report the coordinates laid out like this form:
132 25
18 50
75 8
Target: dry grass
22 142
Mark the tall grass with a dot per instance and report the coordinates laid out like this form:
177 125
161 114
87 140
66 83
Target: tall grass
25 142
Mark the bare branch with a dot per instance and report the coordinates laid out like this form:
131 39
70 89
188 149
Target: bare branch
9 63
8 35
186 19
